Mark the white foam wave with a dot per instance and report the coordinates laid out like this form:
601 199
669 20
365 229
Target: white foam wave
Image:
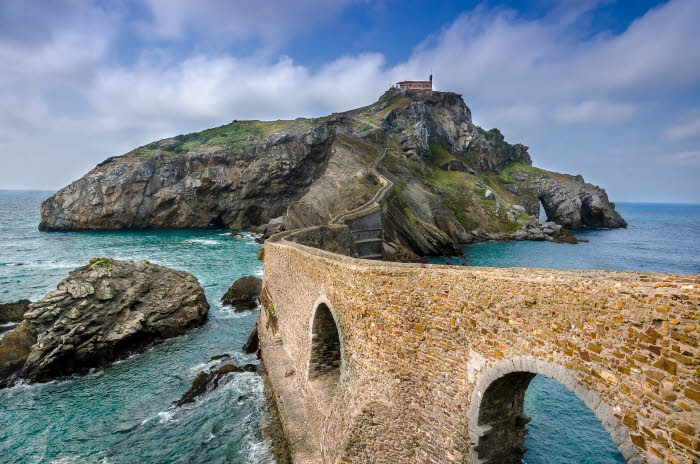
228 313
203 241
259 451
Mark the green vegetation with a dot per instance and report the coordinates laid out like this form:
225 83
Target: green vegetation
233 135
516 166
222 136
104 263
439 156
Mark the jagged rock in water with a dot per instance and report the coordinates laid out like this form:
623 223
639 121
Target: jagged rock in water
207 381
253 342
243 293
99 313
569 200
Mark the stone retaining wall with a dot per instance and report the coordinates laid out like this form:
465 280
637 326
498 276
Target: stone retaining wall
424 349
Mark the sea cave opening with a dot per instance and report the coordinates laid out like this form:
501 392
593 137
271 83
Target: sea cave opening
217 222
534 419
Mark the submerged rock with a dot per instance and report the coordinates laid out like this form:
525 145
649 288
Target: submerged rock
243 294
207 381
100 313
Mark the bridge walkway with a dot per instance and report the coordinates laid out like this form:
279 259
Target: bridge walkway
290 400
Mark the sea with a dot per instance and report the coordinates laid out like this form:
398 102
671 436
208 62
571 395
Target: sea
123 413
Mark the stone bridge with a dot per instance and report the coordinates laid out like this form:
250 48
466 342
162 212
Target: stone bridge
376 362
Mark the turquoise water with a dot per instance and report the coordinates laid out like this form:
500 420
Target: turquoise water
122 413
659 238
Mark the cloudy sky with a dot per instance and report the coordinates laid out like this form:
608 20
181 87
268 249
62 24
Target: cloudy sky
610 90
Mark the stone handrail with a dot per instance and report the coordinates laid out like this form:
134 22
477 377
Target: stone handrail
378 197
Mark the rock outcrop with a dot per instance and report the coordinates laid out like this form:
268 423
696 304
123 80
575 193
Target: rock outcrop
99 313
243 293
207 381
569 200
451 180
13 312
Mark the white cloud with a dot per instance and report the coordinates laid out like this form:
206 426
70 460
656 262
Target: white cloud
516 73
595 112
684 130
684 158
496 52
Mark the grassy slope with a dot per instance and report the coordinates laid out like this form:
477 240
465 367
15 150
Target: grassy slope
232 135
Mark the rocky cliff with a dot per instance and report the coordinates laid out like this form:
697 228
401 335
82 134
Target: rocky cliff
97 314
453 182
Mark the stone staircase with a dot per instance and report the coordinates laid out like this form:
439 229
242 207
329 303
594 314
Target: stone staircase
365 221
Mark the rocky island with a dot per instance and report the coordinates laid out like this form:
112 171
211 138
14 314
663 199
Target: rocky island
451 181
99 313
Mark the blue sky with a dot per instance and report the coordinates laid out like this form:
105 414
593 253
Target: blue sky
607 89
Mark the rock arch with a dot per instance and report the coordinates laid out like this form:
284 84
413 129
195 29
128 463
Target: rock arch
326 347
497 423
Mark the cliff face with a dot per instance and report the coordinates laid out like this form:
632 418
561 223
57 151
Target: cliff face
234 186
453 181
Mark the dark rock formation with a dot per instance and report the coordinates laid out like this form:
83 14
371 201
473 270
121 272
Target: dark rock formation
395 252
100 313
253 342
13 312
423 238
243 293
345 185
208 381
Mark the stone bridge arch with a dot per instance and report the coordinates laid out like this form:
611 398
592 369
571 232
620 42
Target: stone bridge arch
427 336
326 359
497 423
